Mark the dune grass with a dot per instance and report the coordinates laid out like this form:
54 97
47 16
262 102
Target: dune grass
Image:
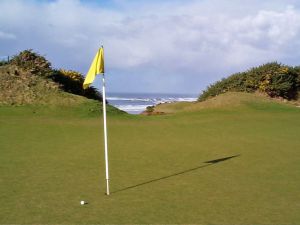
164 169
225 101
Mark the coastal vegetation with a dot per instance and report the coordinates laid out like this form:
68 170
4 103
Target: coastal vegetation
273 79
28 78
271 83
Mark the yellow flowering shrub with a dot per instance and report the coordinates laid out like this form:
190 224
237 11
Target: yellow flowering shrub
74 75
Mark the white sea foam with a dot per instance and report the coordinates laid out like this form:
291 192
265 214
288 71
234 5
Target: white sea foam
129 99
135 105
132 108
159 100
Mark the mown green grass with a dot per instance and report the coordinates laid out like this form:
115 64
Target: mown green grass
50 159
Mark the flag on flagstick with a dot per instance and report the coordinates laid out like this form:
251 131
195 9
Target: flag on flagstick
97 67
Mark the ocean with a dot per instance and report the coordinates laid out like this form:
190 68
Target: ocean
135 103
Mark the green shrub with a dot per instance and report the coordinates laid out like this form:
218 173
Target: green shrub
274 79
297 71
32 62
3 62
71 81
150 109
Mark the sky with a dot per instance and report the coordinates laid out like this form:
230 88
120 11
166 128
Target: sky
155 46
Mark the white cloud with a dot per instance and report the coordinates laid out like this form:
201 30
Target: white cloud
4 35
183 45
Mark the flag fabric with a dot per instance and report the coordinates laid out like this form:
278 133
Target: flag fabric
97 67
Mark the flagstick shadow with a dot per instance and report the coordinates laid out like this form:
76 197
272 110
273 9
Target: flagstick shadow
210 163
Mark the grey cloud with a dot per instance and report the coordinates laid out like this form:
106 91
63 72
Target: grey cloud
7 36
156 46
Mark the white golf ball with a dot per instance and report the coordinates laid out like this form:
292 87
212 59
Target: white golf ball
82 202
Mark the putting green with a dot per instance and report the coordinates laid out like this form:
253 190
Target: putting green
234 165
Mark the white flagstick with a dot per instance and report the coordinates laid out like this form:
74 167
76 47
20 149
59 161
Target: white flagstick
105 135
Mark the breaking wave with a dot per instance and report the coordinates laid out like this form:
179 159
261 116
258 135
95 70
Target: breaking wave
137 103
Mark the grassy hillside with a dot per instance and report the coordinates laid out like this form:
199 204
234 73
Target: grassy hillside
29 79
19 87
226 101
164 169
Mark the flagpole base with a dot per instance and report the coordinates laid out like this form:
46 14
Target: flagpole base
107 186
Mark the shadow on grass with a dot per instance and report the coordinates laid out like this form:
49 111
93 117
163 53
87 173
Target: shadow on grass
209 163
221 159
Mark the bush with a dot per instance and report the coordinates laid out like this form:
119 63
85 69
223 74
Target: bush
71 81
297 71
32 62
3 62
150 109
274 79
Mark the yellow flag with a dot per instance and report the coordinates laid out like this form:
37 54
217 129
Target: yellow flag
97 67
